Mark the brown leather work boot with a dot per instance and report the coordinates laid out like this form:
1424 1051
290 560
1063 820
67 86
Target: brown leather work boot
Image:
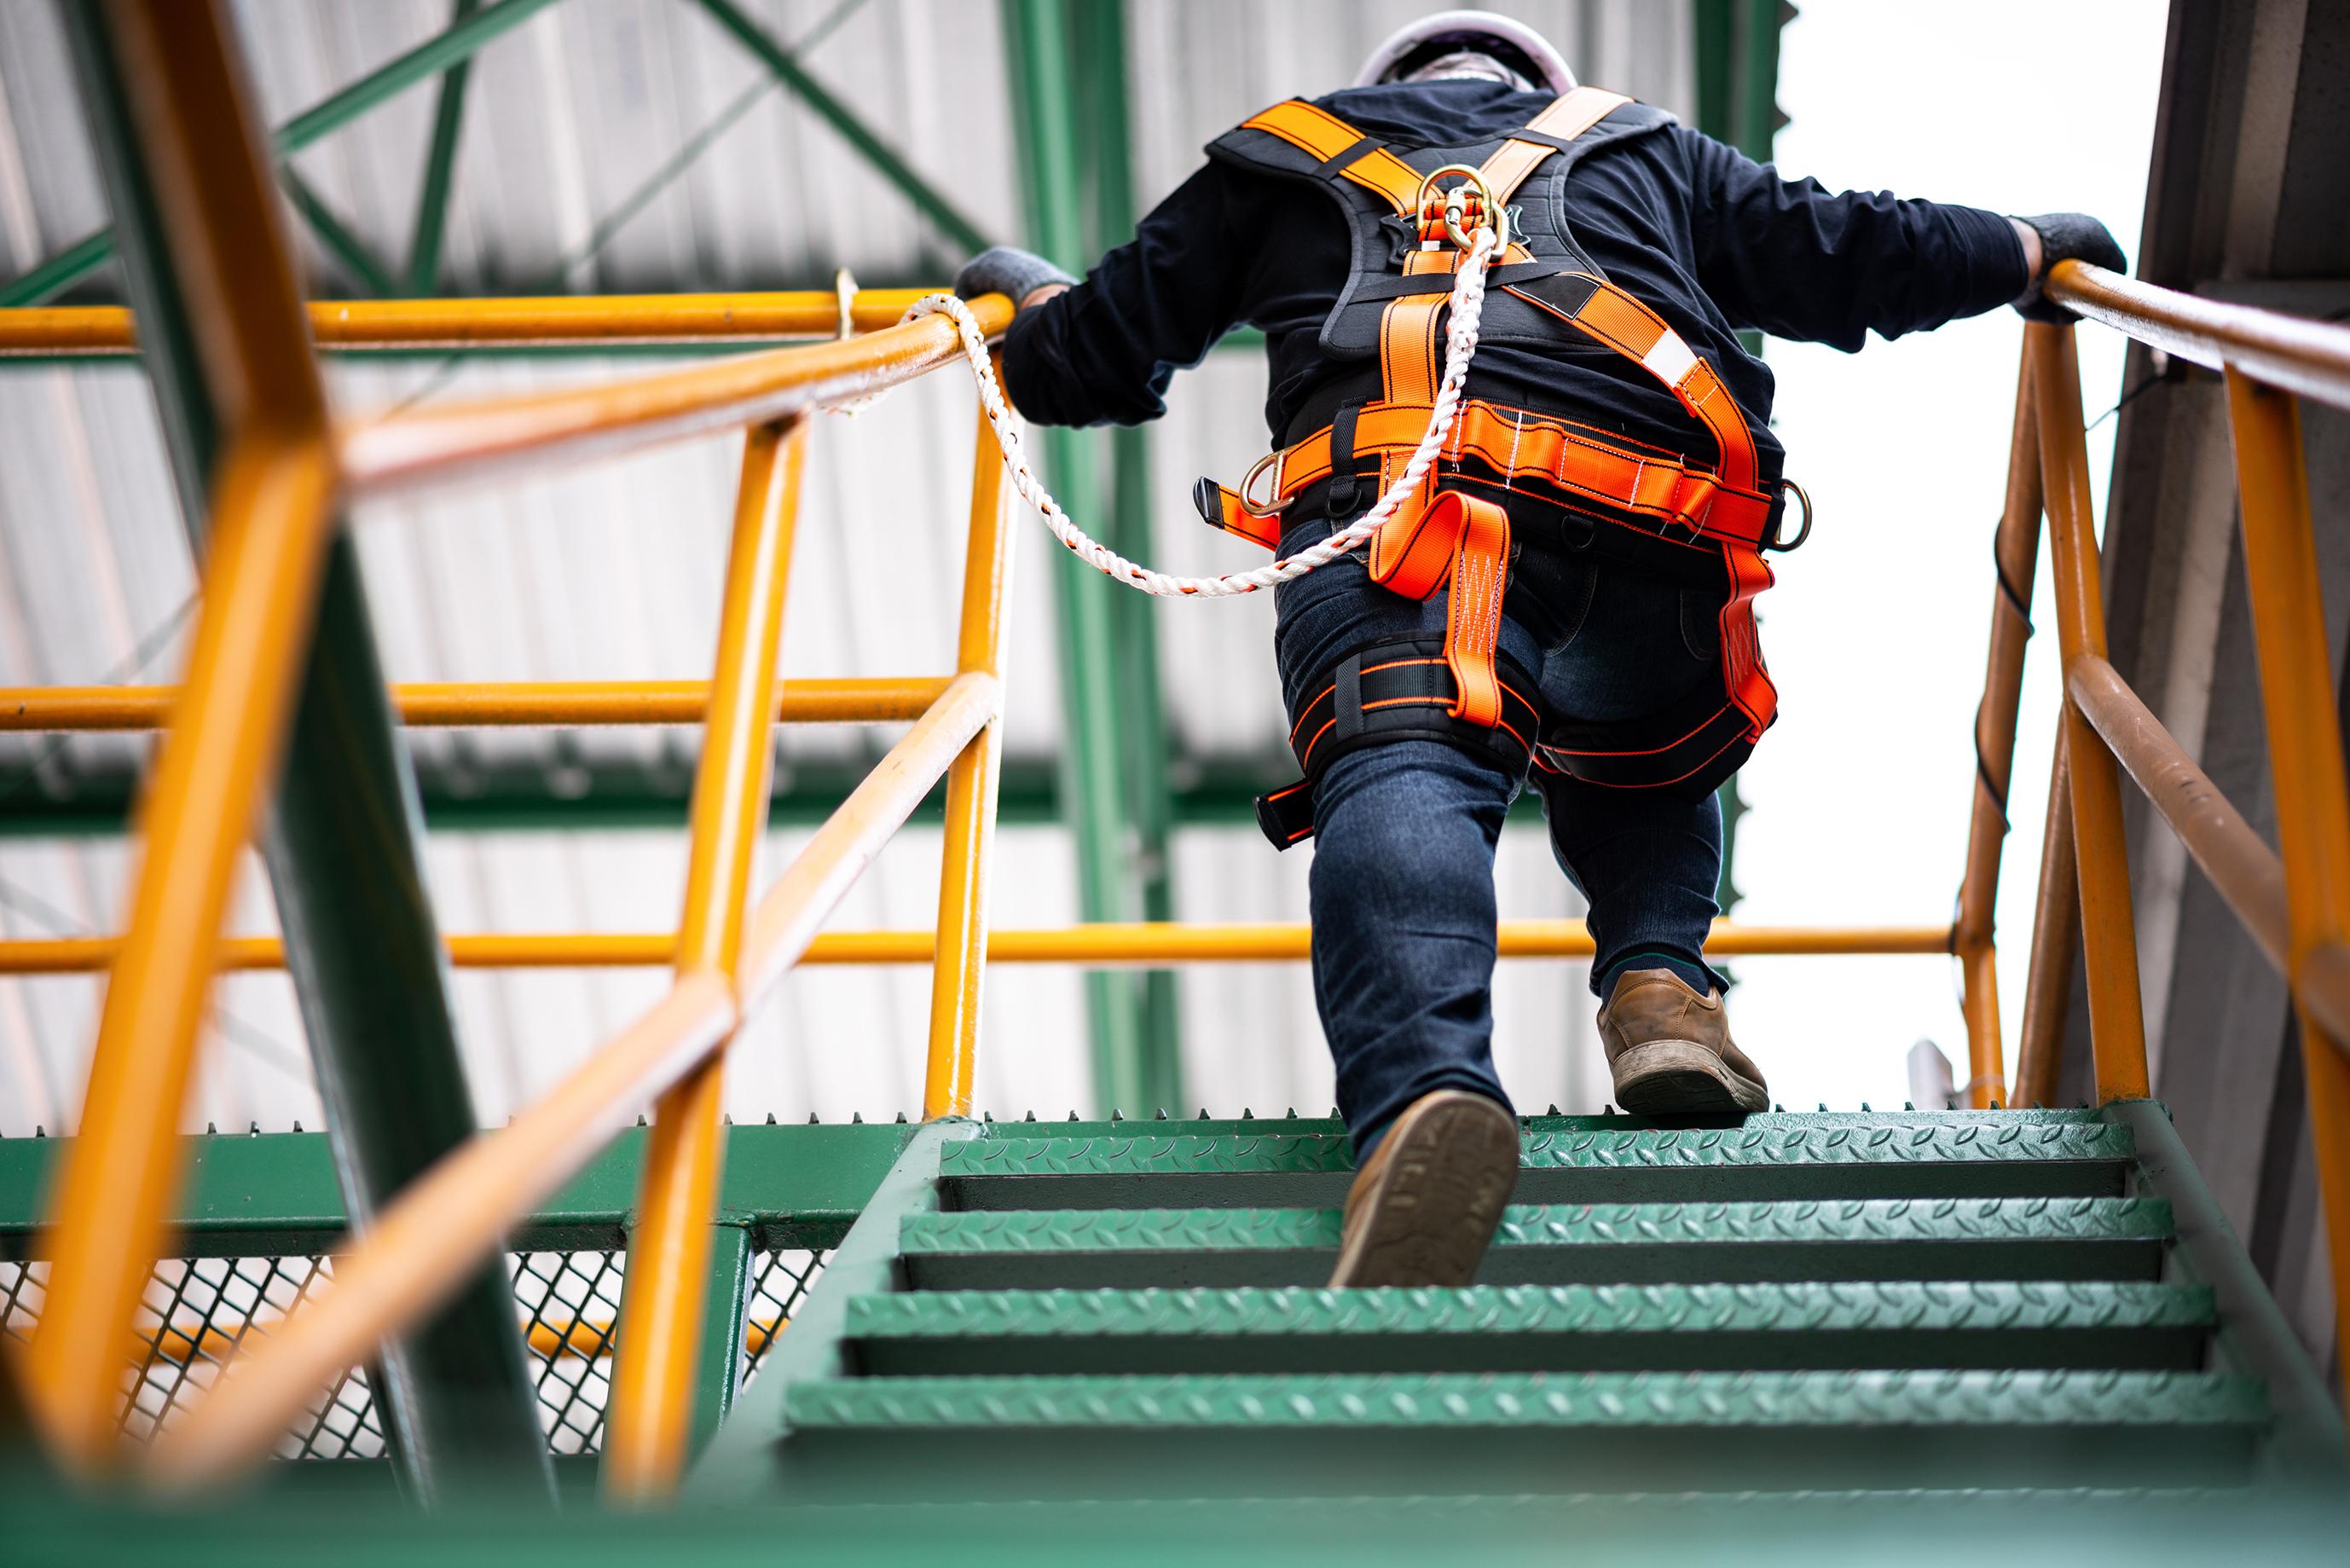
1670 1049
1424 1206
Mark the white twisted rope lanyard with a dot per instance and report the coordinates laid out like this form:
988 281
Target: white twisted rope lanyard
1460 346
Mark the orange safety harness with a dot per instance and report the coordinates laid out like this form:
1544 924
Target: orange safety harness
1446 536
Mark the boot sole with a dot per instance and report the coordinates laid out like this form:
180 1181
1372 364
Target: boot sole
1681 1077
1439 1196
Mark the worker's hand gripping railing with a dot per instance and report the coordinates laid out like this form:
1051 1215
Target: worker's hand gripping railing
271 512
2296 906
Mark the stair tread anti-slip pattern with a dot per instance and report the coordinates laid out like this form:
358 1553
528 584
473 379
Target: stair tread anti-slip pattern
1309 1154
1896 1398
1810 1159
1881 1238
1858 1219
1982 1307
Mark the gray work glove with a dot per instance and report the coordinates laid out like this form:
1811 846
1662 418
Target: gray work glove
2066 237
1002 269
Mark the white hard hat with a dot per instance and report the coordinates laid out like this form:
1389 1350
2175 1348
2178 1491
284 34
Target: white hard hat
1513 43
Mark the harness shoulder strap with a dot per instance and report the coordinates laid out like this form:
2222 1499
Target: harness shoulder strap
1553 130
1343 152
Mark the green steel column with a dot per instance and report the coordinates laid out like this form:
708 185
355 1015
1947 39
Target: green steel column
1099 35
1096 691
1737 101
423 271
436 54
366 961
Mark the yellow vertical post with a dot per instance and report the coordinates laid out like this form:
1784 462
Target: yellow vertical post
2313 798
2015 558
2056 921
959 959
651 1417
270 502
2109 932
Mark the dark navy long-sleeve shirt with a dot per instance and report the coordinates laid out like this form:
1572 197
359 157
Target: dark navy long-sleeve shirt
1710 240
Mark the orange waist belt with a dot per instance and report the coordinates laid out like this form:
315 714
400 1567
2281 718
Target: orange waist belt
1463 541
1519 445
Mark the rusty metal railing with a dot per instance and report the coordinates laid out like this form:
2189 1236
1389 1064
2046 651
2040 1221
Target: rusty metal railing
2296 906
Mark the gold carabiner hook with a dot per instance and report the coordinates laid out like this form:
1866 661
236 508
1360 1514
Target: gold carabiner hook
1497 217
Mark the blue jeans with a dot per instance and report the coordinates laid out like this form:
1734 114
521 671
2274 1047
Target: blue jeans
1402 879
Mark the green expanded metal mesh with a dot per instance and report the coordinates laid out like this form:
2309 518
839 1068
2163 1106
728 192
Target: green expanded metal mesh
197 1311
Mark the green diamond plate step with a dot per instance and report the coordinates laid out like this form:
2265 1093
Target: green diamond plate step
1640 1243
1994 1155
1535 1328
1528 1432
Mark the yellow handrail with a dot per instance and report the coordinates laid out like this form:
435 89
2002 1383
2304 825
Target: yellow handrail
856 699
2308 358
682 319
1134 945
2296 905
271 494
471 441
427 1240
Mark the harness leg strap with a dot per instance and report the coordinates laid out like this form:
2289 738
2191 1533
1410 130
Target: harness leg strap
1395 691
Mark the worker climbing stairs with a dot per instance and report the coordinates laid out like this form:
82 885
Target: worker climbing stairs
1795 1303
1071 1334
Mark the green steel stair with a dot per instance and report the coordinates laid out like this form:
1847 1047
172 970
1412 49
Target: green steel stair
1863 1304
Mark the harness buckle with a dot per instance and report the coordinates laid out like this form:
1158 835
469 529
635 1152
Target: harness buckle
1790 487
1471 204
1280 502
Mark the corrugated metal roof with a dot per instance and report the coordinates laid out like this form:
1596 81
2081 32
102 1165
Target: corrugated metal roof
613 570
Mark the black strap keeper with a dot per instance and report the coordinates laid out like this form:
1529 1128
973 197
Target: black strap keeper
1344 497
1287 815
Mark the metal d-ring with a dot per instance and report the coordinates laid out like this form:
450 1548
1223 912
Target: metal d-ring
1248 481
1800 495
1497 217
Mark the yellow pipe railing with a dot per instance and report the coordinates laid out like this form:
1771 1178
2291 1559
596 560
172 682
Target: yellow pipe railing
506 435
430 1239
2313 798
283 469
856 700
1138 944
2267 360
271 496
962 949
651 1415
682 319
2108 927
2015 554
